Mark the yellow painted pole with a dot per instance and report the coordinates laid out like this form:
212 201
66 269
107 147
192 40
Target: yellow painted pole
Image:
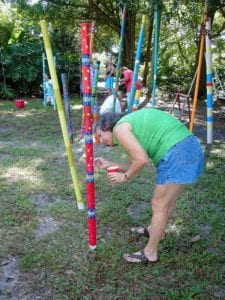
200 59
61 114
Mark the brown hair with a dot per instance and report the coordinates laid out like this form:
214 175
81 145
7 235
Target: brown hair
108 121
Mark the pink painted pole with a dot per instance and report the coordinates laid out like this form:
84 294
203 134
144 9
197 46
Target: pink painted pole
88 120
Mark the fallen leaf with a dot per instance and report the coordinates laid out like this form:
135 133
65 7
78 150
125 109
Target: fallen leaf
195 238
69 272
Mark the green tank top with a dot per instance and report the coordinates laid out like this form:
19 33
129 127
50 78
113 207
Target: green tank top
156 130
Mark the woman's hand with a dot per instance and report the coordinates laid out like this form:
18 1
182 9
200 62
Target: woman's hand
101 163
117 177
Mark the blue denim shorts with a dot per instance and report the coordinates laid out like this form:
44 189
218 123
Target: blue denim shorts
182 164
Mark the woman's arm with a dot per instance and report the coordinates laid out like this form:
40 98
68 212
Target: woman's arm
102 163
131 145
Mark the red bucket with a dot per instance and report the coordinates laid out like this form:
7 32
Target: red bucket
19 103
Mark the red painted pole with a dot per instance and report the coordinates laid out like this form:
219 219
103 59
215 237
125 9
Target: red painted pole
88 120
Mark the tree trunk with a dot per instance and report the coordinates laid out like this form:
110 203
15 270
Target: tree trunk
129 40
148 53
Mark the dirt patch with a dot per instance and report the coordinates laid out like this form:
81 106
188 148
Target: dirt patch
47 226
9 273
137 211
42 200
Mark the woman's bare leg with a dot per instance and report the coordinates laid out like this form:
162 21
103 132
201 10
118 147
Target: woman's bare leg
163 204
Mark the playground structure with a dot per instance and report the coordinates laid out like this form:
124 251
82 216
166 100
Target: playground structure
182 101
219 90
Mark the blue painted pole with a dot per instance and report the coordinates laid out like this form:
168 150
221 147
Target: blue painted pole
111 81
136 66
209 83
118 65
43 76
54 101
155 51
67 106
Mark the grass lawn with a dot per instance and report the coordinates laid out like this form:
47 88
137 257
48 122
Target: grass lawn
44 251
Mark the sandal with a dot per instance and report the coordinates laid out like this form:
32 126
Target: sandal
140 230
137 258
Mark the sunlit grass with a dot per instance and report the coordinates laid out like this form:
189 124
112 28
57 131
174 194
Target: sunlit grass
36 184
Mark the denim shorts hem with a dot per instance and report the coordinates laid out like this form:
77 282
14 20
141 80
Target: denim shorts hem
182 164
176 182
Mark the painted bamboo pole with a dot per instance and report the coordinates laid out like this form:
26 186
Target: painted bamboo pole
198 76
155 53
61 113
95 85
209 81
86 83
92 33
44 76
136 66
66 99
54 101
118 65
136 100
94 101
92 70
110 62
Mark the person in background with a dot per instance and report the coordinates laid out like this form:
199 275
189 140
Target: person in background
107 105
110 74
175 152
127 80
123 100
48 87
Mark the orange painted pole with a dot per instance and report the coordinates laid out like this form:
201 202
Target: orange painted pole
200 59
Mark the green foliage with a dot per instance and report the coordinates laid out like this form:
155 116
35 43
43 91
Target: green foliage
6 27
22 68
178 43
6 92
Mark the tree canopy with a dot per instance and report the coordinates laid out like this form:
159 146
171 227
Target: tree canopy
178 43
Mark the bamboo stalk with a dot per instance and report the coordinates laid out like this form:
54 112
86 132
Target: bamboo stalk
209 82
136 65
155 53
67 106
118 65
198 76
86 83
61 113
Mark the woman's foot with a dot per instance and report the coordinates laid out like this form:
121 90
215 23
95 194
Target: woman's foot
144 231
139 257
